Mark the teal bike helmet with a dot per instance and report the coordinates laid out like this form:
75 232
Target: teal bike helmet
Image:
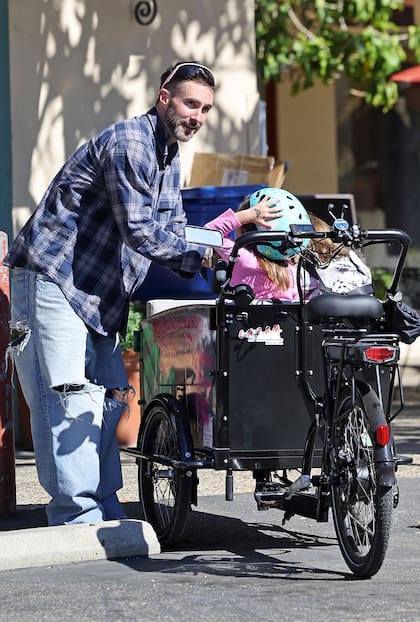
293 214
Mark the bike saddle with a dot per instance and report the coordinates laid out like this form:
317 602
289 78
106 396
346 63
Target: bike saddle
350 306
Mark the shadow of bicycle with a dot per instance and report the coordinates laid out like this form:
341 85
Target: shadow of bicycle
233 547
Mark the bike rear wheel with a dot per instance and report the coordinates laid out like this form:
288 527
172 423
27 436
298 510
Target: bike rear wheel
164 491
362 509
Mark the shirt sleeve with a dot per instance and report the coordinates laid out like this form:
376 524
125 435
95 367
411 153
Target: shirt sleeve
147 207
225 223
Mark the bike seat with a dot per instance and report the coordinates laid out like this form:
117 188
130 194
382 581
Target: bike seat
350 306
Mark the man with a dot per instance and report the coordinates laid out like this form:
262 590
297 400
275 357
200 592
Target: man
114 207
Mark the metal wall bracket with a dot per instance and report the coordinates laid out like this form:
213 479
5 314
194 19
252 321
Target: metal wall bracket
145 11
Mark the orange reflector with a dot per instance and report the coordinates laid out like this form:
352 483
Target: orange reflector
379 354
383 434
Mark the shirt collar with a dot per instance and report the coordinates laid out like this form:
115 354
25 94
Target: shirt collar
166 153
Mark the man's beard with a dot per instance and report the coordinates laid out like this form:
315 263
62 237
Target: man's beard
179 127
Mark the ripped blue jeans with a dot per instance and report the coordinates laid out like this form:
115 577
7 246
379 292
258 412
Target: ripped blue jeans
72 381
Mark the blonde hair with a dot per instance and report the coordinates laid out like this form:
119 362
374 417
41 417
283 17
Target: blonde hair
324 247
276 271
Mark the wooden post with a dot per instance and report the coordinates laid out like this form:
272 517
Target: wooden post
7 441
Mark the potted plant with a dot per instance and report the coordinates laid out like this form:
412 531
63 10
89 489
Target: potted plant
382 279
128 426
135 316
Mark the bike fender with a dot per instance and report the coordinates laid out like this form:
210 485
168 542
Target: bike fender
386 473
174 407
384 459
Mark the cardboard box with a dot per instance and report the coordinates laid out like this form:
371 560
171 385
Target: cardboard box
219 169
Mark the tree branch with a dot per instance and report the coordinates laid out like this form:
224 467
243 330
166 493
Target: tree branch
298 24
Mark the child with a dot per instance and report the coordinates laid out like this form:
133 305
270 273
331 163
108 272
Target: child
268 278
341 270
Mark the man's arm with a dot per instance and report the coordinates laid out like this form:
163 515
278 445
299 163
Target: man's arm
147 208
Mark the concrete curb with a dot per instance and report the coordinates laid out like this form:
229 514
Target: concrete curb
44 546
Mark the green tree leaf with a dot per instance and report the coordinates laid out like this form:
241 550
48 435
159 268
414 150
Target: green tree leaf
326 39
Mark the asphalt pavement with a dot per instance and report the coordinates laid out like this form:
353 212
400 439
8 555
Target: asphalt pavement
233 563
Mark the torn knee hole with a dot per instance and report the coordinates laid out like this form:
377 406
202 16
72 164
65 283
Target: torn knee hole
120 394
20 334
68 388
17 335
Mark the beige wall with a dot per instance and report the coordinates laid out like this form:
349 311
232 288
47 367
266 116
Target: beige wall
78 65
306 138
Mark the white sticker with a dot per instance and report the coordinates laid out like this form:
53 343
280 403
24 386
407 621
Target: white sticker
270 336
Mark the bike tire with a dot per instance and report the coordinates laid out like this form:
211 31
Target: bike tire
362 510
164 491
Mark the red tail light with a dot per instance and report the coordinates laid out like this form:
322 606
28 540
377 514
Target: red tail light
382 435
380 354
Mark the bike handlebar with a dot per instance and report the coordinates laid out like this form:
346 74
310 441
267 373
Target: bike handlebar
351 237
379 235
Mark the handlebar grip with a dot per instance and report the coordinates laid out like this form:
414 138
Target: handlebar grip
388 234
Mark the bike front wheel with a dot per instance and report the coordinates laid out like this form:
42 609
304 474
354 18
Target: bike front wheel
362 509
164 491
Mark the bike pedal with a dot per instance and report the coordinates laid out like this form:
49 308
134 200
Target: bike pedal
264 506
398 459
267 495
267 487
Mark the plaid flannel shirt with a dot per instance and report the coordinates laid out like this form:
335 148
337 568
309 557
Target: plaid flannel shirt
114 207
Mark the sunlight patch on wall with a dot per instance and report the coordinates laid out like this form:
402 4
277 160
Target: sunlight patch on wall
49 150
192 42
131 83
19 217
92 68
50 46
71 19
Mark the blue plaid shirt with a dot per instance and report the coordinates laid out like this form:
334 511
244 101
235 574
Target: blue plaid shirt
114 207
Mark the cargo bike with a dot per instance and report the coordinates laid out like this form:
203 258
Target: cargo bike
301 395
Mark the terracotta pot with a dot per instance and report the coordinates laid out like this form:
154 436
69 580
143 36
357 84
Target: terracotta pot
128 427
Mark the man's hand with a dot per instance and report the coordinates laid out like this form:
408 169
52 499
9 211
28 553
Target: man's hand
260 214
208 259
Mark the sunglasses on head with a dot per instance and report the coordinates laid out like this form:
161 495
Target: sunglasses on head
190 71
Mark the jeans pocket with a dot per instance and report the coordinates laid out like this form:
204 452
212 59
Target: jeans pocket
19 298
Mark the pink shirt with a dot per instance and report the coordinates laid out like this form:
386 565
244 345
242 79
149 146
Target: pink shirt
248 270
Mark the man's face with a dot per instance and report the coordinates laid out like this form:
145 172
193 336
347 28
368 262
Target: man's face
186 111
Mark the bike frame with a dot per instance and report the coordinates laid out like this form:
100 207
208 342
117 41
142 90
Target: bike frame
273 387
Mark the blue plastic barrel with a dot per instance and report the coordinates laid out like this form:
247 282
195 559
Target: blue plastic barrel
201 205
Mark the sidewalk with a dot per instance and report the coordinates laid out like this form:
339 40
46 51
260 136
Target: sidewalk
26 540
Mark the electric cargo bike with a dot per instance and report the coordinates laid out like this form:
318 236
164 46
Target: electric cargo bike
310 389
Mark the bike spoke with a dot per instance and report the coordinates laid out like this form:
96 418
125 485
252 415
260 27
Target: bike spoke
361 510
165 497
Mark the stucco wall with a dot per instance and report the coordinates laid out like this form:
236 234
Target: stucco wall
78 65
